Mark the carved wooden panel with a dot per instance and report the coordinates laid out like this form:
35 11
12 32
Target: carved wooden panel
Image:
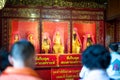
93 15
59 3
21 12
5 33
55 13
100 32
109 33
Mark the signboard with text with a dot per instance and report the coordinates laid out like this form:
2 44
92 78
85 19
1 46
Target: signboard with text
56 60
46 60
70 60
65 74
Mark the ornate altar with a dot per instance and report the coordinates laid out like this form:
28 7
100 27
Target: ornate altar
58 34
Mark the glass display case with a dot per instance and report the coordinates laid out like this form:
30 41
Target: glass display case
25 29
55 36
86 35
58 34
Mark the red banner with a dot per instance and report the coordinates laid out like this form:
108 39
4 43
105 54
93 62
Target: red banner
70 60
46 60
65 74
53 60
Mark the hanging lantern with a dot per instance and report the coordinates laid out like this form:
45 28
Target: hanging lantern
2 3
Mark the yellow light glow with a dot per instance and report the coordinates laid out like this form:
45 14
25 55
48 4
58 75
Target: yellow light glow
2 3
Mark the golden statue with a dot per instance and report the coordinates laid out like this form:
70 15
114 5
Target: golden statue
30 38
76 42
58 43
88 40
46 42
16 38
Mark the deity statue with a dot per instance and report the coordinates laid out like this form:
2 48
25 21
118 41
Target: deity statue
16 38
58 46
88 40
46 42
76 42
31 39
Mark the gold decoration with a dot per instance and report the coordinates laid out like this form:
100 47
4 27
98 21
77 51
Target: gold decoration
96 15
21 12
2 3
53 13
57 3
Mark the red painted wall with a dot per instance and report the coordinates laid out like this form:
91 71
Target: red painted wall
24 28
85 28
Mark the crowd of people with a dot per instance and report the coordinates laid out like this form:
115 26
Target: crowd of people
99 62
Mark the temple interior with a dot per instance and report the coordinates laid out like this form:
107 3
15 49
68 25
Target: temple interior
60 30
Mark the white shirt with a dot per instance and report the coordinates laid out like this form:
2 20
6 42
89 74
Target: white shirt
114 67
97 75
84 72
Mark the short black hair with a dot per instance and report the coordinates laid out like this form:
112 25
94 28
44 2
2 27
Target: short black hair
96 57
113 46
4 62
22 50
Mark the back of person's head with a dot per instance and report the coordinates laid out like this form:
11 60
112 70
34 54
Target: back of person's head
4 59
113 46
22 50
96 57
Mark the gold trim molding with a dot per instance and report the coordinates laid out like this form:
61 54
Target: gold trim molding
57 3
21 12
47 13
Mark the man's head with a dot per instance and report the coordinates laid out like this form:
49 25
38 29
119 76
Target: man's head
96 57
113 47
22 52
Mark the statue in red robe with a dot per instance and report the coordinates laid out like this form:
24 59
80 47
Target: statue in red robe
76 42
